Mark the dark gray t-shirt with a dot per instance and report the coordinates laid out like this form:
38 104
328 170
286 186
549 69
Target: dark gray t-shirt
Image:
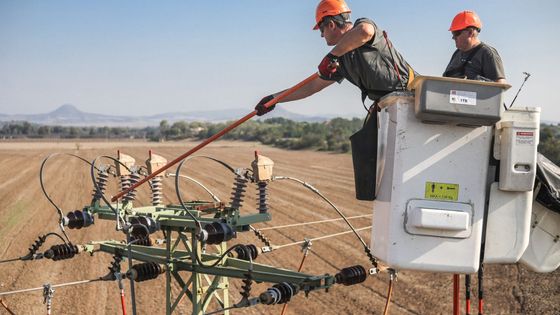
370 66
483 61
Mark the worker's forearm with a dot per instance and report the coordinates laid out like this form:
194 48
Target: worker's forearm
353 39
307 90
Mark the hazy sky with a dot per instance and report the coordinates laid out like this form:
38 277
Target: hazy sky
145 57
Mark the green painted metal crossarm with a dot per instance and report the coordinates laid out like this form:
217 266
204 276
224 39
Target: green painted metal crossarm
232 267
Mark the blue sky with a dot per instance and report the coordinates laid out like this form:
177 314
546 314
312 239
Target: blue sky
146 57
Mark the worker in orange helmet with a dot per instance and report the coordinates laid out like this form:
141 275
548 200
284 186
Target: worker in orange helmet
361 53
473 59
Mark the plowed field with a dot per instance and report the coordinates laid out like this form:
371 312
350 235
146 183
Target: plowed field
25 214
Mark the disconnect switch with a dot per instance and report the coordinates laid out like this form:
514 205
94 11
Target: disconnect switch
262 167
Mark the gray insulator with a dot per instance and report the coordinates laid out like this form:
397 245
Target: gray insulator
262 197
124 182
102 178
157 188
238 192
133 178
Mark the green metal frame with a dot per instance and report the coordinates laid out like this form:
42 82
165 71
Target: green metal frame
204 284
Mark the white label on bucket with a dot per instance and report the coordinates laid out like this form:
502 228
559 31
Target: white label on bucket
525 137
462 97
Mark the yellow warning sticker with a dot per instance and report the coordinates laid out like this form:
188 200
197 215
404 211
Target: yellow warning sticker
441 191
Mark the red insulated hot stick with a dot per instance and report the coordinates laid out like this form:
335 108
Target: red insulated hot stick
218 135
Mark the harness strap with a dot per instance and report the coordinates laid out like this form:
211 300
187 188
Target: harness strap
389 46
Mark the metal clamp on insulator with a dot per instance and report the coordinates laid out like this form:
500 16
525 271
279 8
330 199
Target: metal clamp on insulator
351 275
279 293
216 233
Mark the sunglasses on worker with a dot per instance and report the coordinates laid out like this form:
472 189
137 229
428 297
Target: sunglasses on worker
323 24
457 33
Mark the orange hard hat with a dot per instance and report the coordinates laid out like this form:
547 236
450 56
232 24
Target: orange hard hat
329 7
465 19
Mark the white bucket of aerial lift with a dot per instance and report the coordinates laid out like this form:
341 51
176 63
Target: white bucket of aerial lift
433 184
543 252
517 138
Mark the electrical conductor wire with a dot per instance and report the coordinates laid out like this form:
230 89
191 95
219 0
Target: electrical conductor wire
315 190
41 181
312 222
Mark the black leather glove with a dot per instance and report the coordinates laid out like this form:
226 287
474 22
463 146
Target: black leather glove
328 66
261 109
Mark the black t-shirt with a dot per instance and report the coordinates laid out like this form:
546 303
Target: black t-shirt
483 61
370 66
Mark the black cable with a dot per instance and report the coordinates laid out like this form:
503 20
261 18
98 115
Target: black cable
60 213
222 257
181 202
9 260
177 190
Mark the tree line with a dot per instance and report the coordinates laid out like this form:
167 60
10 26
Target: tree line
331 135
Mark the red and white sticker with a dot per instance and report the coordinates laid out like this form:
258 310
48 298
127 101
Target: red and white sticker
525 137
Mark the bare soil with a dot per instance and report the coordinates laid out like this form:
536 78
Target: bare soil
25 214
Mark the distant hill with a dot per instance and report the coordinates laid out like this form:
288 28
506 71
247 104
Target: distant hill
70 115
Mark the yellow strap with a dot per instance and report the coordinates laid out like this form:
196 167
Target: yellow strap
410 79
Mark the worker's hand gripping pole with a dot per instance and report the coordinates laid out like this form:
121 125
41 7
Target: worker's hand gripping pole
218 135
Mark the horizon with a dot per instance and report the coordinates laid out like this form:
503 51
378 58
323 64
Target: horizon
314 118
144 58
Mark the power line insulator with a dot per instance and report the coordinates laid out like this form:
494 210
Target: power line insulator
238 193
144 271
102 178
141 240
62 251
157 190
148 222
279 293
35 247
78 219
245 251
262 197
129 181
351 275
217 232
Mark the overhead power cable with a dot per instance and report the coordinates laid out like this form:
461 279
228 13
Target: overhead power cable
313 222
52 286
321 237
372 259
